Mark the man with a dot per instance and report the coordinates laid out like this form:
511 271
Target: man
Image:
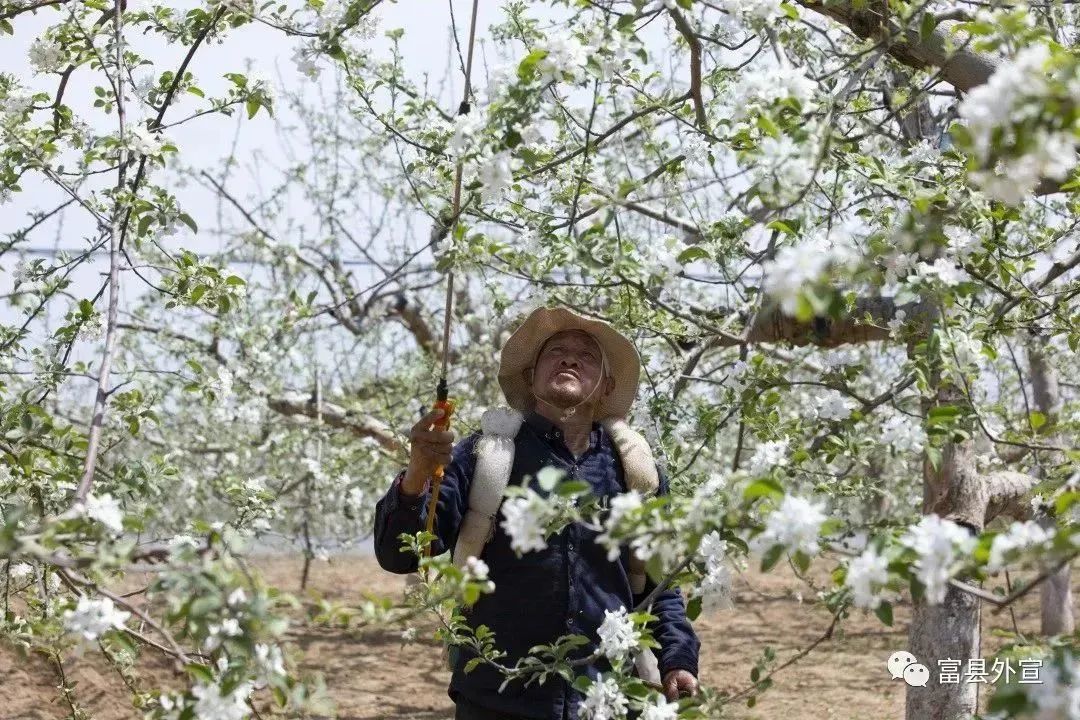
564 372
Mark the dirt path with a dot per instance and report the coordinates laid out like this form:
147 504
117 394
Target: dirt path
373 675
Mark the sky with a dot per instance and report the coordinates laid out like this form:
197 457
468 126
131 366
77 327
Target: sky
426 48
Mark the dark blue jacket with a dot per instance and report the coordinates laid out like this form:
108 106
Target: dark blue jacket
563 589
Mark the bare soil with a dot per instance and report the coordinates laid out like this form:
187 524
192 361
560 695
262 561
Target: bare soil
373 675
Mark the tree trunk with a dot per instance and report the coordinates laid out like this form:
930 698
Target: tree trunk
949 630
1056 613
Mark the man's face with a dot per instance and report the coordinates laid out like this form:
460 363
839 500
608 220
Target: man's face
568 369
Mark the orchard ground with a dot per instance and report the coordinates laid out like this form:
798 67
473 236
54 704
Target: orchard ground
372 674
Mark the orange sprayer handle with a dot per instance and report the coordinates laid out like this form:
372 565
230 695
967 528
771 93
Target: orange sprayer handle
442 424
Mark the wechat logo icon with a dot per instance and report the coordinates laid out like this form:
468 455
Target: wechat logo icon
903 664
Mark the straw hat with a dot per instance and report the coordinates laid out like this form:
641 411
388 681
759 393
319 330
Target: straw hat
520 351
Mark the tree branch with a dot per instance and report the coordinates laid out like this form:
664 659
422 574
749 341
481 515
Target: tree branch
339 417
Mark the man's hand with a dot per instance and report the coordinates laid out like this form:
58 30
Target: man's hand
428 448
679 684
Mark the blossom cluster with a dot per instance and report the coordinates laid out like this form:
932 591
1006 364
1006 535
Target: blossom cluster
942 546
715 586
795 526
1013 148
1019 536
796 267
618 636
865 576
90 618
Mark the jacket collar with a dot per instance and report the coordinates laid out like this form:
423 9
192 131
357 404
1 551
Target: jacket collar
551 432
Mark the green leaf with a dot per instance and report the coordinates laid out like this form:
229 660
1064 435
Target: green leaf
884 613
781 226
1037 419
186 219
692 253
571 488
200 672
771 557
527 67
768 126
693 608
765 487
253 106
927 26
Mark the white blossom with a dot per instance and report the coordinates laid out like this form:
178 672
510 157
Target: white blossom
104 509
91 618
618 636
660 709
897 323
497 174
940 545
962 241
465 132
1019 536
475 568
1056 695
15 104
21 571
792 269
713 549
795 525
304 58
834 407
736 378
237 597
1015 93
715 586
755 91
865 575
903 433
212 705
997 101
784 167
767 456
603 701
525 519
759 10
142 141
565 56
943 270
93 328
270 662
46 55
622 505
221 384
